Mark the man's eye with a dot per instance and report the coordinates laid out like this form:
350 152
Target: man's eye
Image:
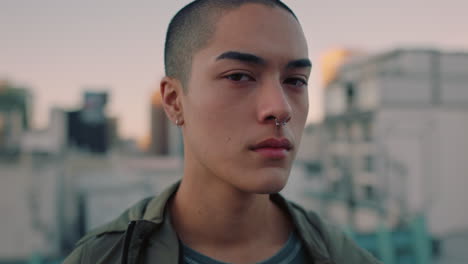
298 82
237 77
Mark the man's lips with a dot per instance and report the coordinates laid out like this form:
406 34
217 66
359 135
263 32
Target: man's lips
273 143
273 148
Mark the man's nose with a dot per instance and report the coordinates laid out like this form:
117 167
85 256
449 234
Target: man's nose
273 103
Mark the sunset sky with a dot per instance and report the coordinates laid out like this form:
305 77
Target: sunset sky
59 48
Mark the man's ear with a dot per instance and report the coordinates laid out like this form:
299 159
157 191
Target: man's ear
171 94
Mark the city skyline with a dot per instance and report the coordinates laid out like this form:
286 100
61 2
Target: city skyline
60 49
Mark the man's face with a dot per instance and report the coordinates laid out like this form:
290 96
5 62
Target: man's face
253 70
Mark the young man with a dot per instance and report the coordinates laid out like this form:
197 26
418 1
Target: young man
236 85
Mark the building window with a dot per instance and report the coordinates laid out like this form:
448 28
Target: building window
335 187
356 132
333 132
369 163
1 122
314 169
341 130
369 192
367 131
350 94
336 162
348 132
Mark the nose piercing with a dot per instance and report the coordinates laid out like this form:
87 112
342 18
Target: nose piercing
280 123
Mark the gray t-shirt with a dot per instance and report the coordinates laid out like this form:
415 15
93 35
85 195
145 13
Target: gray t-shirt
292 253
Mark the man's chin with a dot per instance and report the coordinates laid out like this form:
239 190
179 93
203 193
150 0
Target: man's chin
271 190
269 185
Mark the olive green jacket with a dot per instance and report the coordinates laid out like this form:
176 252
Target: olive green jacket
141 235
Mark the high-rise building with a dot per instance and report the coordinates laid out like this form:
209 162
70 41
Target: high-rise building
88 127
51 140
15 103
397 126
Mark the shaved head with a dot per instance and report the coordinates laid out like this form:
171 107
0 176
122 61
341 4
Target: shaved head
193 26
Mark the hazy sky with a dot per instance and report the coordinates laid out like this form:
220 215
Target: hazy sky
59 48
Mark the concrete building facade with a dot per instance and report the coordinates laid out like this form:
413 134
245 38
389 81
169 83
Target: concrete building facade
15 115
396 139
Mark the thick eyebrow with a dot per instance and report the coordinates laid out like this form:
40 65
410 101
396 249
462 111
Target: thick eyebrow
254 59
242 57
302 63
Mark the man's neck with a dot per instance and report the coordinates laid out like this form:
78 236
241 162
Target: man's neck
219 220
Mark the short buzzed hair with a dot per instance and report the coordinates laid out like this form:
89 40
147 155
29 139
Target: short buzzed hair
191 29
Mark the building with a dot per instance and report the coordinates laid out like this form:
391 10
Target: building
397 126
15 115
30 193
50 201
51 194
89 128
50 141
306 182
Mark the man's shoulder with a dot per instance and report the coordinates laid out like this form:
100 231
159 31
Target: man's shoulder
119 224
327 240
106 243
107 238
100 248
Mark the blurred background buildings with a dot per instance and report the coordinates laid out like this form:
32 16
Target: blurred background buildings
395 125
15 114
392 145
74 175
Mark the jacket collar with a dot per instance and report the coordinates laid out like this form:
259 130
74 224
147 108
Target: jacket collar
167 240
155 209
150 220
307 229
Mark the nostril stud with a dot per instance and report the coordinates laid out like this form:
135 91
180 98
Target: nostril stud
280 123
